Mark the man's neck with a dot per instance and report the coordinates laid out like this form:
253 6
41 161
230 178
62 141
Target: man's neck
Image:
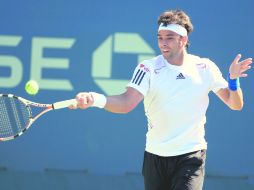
177 59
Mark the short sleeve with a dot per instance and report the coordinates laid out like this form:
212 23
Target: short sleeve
218 82
140 79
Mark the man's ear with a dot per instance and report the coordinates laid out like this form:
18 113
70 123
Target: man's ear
184 40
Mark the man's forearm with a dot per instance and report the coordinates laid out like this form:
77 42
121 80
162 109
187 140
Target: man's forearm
117 104
235 100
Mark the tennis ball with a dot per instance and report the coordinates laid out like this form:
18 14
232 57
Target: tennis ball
32 87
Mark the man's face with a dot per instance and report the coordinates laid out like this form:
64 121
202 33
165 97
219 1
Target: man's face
170 43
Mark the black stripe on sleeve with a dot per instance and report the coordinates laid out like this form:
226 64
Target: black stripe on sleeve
138 77
135 76
141 78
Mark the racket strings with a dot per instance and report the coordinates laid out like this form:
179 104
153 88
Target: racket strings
4 119
14 116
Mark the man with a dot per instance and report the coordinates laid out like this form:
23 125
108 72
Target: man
175 87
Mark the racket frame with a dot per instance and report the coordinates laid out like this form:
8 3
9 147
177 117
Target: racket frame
28 104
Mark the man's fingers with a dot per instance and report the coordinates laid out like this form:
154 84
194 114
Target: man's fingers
244 75
238 68
237 58
245 65
246 62
73 107
84 100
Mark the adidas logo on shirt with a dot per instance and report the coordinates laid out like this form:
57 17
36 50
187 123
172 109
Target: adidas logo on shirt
180 76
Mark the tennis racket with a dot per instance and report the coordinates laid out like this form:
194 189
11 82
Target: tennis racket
16 114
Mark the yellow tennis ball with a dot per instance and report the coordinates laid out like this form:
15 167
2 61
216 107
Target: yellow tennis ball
32 87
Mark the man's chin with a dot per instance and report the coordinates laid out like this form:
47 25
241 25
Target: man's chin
165 55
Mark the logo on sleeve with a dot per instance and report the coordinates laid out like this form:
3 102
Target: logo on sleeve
201 65
142 66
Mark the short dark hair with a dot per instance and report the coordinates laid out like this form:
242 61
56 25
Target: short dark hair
176 17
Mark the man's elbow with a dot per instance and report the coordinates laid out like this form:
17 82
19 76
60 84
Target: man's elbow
237 107
128 108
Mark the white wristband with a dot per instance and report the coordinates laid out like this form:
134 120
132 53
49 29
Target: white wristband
99 100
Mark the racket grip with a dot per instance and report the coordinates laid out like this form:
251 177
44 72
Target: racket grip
64 104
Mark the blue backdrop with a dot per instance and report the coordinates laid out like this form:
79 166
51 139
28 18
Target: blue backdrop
63 45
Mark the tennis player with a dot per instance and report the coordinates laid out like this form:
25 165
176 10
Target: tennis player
175 87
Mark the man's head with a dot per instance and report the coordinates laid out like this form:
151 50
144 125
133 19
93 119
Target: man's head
176 17
176 21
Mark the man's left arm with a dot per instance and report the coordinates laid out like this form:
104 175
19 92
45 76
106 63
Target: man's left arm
233 96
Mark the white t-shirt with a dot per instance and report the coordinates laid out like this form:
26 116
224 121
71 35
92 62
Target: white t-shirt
175 101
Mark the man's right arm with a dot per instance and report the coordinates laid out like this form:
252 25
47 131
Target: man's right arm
122 103
125 102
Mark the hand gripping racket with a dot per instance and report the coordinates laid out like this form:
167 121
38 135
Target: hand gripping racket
16 114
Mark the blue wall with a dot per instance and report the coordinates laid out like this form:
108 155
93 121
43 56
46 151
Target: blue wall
96 140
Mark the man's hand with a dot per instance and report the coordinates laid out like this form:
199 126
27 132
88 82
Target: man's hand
84 101
238 69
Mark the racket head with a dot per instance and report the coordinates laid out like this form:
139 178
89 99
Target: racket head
15 116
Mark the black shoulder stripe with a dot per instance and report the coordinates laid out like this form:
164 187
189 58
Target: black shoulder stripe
138 77
135 76
137 80
141 78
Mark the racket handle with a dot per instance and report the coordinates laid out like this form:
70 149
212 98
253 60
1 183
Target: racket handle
64 104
